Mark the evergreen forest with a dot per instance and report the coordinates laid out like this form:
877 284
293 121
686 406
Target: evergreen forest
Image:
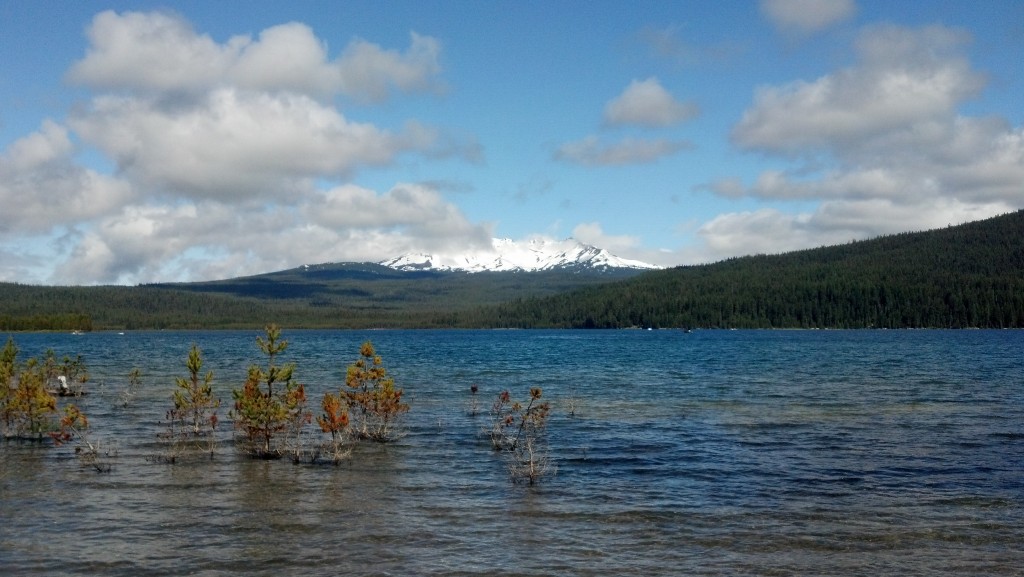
966 276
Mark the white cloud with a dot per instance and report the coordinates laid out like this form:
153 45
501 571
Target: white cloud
593 234
159 53
368 71
41 187
232 143
237 144
590 151
190 116
807 16
880 145
647 103
155 52
415 209
213 239
623 246
771 231
903 78
288 57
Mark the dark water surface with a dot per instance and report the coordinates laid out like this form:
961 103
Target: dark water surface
710 453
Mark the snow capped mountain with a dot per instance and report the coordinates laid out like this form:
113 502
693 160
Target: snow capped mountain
508 255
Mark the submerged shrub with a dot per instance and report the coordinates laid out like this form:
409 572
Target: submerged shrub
74 427
270 403
192 421
520 432
374 403
8 359
129 392
31 409
335 422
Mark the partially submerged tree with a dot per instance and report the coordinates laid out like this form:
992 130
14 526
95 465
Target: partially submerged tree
74 427
334 421
67 376
129 392
192 422
521 433
270 402
375 404
8 360
31 408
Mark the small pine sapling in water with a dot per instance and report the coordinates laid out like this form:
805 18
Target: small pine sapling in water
192 422
334 421
77 374
134 382
521 433
297 418
8 368
374 401
67 377
269 403
74 427
31 408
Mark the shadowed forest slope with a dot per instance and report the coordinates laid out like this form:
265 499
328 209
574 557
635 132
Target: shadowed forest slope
971 275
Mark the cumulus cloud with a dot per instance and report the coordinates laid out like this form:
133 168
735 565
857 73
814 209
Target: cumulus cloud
593 233
216 239
644 104
367 70
161 53
770 231
647 103
807 16
235 143
623 246
881 146
42 188
415 209
903 78
590 151
183 114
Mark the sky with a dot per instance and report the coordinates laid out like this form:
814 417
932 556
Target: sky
184 141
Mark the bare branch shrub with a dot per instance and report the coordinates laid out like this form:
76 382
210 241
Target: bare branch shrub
74 427
520 432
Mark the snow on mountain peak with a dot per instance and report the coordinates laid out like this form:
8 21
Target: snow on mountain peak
509 255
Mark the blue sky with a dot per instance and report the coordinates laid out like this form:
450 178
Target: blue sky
144 142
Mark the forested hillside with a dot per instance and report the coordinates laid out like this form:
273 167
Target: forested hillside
970 275
344 295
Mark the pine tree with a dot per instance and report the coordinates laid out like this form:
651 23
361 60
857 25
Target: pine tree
270 402
374 401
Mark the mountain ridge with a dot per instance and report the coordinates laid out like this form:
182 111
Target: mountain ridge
507 255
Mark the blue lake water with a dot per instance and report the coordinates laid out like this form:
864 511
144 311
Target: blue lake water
704 453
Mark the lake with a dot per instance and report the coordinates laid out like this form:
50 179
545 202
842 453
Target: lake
703 453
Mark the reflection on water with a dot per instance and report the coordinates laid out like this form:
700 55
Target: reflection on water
733 452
